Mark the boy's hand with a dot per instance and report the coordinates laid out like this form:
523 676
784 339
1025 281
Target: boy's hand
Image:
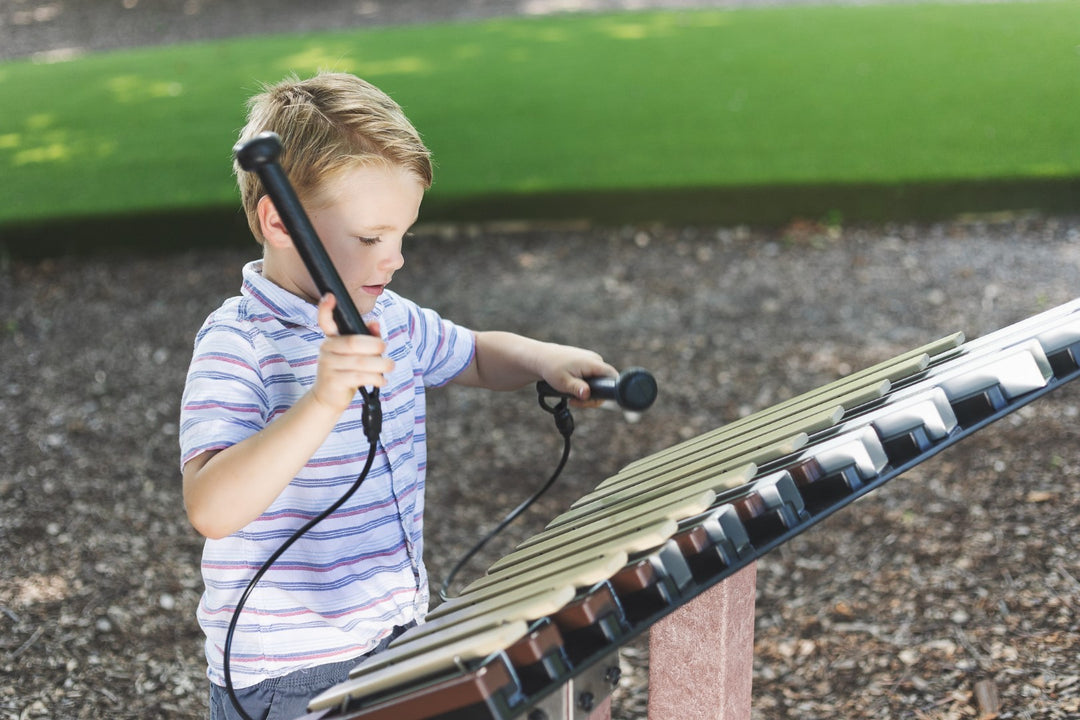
566 367
347 362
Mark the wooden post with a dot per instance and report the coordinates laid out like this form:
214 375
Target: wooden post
701 656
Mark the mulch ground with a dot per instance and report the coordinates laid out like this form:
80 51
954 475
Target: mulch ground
954 583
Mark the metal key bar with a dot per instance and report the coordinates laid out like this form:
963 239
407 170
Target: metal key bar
753 452
479 692
582 580
639 539
661 486
665 507
530 604
585 574
389 674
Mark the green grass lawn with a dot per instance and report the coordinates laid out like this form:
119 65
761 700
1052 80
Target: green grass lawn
749 98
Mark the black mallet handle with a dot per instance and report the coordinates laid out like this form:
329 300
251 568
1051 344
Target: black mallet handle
260 156
633 389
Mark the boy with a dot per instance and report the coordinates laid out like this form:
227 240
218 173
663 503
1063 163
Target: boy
270 420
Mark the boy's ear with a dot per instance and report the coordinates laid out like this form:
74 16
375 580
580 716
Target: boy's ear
271 225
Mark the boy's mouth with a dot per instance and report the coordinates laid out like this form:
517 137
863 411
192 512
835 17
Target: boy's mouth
374 290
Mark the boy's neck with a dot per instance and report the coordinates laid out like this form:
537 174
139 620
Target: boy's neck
280 271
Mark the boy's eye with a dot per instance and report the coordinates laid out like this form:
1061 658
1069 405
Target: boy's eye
368 240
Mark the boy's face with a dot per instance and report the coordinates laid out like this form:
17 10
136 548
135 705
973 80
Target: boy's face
366 213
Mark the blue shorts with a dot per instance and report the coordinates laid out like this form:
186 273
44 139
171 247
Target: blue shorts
287 697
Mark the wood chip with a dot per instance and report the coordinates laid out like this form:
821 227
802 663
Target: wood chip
986 697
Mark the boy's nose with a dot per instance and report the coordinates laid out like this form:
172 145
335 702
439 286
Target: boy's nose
395 260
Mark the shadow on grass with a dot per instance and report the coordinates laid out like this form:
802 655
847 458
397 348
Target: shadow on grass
168 231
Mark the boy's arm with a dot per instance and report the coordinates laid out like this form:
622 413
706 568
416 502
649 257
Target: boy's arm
505 361
227 489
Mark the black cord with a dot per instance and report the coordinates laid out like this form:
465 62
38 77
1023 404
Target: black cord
564 421
372 423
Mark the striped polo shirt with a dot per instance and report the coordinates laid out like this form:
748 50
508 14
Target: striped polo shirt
342 587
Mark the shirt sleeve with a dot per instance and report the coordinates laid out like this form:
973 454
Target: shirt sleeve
443 349
224 398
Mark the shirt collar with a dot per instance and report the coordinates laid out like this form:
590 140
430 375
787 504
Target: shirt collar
285 306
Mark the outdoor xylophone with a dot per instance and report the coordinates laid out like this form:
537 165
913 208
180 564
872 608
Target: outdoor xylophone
668 527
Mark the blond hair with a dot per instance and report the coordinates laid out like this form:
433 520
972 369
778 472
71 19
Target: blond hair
329 123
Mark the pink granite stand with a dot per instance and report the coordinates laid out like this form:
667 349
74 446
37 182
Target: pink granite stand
701 657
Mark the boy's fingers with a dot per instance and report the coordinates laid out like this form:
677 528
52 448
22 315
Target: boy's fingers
579 377
355 352
326 315
576 382
359 362
327 303
580 389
